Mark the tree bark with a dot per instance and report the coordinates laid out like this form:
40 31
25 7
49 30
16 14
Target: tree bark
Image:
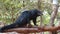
53 15
34 29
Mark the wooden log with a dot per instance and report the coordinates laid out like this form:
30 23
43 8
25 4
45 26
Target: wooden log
33 30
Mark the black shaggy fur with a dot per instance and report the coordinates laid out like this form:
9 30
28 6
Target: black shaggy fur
24 19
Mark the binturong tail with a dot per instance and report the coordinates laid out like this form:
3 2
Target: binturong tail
8 27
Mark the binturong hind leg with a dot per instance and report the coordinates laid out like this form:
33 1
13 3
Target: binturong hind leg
8 27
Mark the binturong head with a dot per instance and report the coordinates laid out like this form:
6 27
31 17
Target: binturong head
38 12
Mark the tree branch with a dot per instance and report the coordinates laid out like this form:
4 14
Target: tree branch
33 29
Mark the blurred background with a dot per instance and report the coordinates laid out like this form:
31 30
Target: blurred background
11 9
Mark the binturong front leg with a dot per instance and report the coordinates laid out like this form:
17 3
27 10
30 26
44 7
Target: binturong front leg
34 21
29 24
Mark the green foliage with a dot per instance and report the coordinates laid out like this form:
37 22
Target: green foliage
46 17
11 9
